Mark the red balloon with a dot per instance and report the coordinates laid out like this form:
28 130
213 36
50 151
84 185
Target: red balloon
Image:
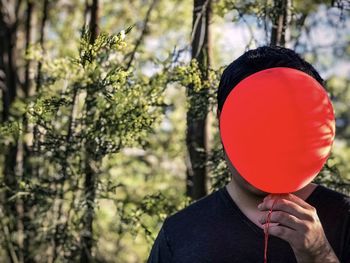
277 127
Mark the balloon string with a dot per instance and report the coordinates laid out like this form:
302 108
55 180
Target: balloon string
266 230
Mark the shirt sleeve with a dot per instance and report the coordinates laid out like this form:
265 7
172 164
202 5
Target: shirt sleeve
346 257
160 252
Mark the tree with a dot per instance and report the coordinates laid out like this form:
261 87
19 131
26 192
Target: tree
9 22
197 134
91 161
279 22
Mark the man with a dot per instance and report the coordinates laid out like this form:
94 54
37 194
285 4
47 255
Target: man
310 225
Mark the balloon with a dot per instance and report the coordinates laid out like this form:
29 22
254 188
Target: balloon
277 127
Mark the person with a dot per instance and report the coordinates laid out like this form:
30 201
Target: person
310 225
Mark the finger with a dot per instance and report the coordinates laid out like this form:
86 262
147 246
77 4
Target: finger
286 206
282 232
288 196
297 200
284 219
263 226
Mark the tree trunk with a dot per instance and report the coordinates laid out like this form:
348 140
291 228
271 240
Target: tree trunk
28 30
89 193
41 41
25 151
279 23
90 162
93 21
36 139
8 73
8 85
197 136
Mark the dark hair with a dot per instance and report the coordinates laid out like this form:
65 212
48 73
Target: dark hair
259 59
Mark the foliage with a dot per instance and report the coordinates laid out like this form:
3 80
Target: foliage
87 108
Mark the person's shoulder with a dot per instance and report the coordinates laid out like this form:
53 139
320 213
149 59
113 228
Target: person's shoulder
330 193
331 199
200 209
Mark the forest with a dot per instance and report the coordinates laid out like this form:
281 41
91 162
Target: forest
108 113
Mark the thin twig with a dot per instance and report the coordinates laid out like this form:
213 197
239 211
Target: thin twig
143 33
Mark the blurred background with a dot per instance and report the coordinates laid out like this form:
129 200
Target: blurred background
108 113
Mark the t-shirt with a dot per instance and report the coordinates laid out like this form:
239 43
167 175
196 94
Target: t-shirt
214 229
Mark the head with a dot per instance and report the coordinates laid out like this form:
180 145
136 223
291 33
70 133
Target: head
247 64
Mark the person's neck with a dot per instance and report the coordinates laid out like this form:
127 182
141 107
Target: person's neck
243 198
247 200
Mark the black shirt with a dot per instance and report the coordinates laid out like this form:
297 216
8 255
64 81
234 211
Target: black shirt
214 229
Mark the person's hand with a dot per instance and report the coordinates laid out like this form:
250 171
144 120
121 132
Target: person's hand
295 221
